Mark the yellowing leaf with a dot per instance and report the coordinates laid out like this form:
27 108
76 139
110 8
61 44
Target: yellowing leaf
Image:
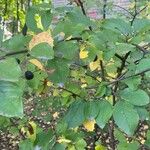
83 54
100 147
94 65
40 38
83 85
83 80
31 133
23 130
37 63
49 83
68 38
109 99
89 125
55 92
63 140
112 74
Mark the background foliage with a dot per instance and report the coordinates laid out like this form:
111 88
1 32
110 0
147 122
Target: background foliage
88 78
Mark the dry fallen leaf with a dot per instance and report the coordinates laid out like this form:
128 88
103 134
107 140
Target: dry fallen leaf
40 38
89 124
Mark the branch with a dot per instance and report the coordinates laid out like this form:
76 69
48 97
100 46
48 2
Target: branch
119 72
80 3
104 9
13 53
102 70
124 78
123 9
141 49
135 12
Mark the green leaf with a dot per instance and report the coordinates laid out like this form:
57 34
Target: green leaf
42 51
4 122
123 48
128 146
9 70
26 145
143 113
91 109
68 50
105 112
59 147
143 65
1 37
80 144
46 18
126 117
101 90
11 99
118 25
45 140
141 25
61 70
76 16
68 28
133 82
147 143
30 19
135 97
75 115
119 135
16 43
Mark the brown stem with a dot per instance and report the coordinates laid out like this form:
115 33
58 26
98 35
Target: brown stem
124 78
135 12
80 3
104 9
102 70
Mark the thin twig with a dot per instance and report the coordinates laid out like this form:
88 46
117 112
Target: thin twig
13 53
102 70
123 9
124 78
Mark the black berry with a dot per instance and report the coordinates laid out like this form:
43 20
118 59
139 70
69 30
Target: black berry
18 60
28 55
29 75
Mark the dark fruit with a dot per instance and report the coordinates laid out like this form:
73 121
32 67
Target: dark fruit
18 60
29 75
28 55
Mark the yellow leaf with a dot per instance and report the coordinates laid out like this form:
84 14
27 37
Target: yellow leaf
100 147
83 85
109 99
63 140
31 133
49 83
37 63
55 92
23 131
40 38
83 54
94 65
68 38
89 125
83 80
